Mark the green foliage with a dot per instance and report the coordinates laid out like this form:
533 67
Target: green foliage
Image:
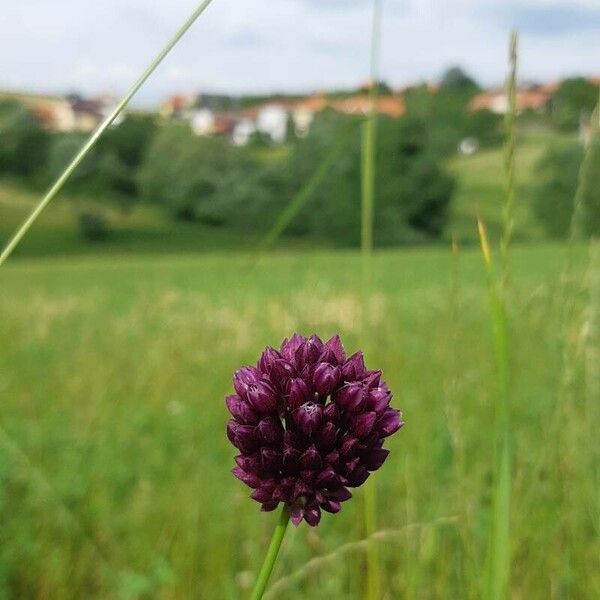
109 171
558 172
455 78
23 142
102 173
94 226
130 139
412 192
195 178
485 126
447 119
575 98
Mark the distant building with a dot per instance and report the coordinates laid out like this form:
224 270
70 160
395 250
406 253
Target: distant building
175 107
272 120
360 104
66 115
243 131
202 121
535 97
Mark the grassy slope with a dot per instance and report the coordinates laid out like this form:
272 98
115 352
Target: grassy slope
112 375
480 188
146 228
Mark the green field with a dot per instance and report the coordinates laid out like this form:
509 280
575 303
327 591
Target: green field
115 466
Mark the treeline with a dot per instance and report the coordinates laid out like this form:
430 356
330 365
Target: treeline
210 181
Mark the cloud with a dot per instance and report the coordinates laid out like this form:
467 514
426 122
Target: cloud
296 45
548 19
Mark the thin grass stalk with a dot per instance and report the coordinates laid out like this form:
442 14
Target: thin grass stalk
592 372
498 556
317 563
569 287
368 154
583 178
97 134
509 157
267 568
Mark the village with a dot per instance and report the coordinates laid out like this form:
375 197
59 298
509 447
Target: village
273 118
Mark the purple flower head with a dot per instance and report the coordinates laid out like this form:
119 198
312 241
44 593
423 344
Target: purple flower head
309 423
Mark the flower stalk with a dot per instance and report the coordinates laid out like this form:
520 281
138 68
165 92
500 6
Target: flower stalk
272 552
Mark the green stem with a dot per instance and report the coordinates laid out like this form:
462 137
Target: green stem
369 149
85 149
272 552
509 158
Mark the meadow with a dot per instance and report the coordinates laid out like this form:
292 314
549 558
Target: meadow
114 465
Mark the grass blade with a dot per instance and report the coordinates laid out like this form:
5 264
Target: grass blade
509 156
368 152
97 134
498 558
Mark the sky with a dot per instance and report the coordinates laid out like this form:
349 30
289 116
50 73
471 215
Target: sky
258 46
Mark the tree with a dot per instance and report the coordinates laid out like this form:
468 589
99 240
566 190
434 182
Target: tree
412 191
194 178
574 98
455 78
23 142
559 174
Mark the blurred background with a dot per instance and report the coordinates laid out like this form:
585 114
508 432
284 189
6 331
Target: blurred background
128 305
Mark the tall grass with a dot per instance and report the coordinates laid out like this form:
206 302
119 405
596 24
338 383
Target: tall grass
497 574
498 556
97 134
368 154
509 156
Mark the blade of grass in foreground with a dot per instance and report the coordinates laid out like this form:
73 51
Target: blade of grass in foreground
509 156
93 139
498 557
369 145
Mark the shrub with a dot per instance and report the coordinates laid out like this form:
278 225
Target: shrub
93 226
192 177
412 192
23 142
575 97
558 171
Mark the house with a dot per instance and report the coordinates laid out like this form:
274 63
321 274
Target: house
243 131
202 121
304 112
174 107
360 104
88 113
271 119
66 115
534 97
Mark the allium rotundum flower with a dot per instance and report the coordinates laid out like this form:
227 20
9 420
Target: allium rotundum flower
309 423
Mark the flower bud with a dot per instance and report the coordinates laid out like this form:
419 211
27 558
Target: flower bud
308 417
240 410
299 393
326 378
351 397
262 397
245 377
271 430
389 423
362 424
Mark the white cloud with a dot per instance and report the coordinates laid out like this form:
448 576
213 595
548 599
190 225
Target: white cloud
261 45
